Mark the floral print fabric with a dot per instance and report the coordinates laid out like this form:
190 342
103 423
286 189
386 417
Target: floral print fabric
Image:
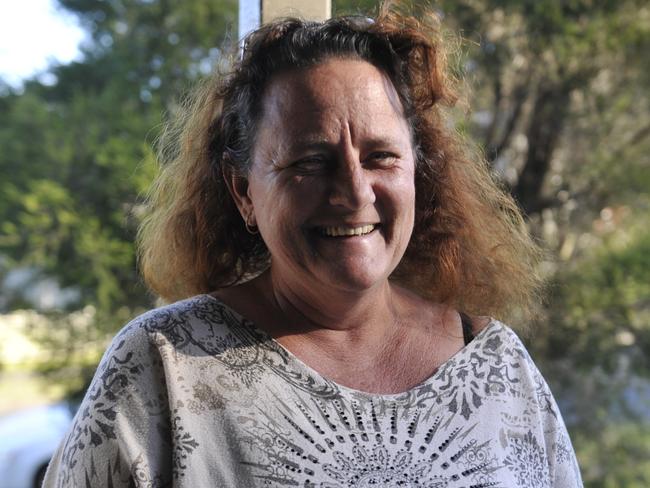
193 395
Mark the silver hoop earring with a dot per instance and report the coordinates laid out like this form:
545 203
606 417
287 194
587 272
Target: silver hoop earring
251 229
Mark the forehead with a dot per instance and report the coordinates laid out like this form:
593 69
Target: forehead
334 92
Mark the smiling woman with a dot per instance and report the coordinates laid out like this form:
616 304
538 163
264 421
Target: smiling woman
326 233
338 212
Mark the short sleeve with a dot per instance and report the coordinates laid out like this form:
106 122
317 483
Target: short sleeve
562 462
120 436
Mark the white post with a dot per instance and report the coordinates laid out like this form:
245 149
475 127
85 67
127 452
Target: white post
252 13
318 10
250 16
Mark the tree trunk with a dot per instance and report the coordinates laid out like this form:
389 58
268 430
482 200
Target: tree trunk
494 147
546 122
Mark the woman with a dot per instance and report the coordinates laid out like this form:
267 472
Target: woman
327 227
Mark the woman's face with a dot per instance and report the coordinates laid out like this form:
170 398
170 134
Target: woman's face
331 185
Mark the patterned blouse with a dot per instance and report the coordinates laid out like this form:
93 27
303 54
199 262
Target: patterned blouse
194 395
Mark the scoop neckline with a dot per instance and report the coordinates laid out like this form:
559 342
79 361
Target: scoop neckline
300 364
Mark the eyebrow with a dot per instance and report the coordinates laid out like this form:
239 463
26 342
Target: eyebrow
307 143
319 144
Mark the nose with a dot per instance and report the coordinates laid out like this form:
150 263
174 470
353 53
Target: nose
351 185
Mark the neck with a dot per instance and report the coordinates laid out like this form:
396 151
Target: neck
382 340
336 316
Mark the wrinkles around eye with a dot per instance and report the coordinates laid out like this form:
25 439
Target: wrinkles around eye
322 164
311 164
382 158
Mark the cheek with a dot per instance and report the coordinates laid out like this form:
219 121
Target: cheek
403 191
280 211
409 187
296 200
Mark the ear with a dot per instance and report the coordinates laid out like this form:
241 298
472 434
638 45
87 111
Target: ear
238 187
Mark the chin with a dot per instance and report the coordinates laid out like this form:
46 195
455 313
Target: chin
355 280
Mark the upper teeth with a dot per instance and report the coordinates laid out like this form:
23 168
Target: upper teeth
348 231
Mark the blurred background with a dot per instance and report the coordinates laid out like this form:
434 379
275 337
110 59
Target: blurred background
558 101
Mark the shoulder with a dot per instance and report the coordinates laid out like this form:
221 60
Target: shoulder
509 363
496 333
501 353
507 360
187 317
132 376
144 347
199 306
500 341
198 326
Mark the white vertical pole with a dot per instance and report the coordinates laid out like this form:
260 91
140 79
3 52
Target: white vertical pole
318 10
250 16
253 12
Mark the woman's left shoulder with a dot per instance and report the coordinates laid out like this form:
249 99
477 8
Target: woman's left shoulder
499 343
495 332
506 361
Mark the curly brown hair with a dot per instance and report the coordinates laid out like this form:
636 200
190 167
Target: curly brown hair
470 247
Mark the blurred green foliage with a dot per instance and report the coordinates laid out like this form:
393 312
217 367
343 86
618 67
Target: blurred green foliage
560 107
619 458
604 306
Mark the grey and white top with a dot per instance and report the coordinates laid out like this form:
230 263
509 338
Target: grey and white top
194 395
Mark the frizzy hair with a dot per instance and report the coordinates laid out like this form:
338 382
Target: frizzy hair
469 248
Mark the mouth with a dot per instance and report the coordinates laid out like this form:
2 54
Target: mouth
347 230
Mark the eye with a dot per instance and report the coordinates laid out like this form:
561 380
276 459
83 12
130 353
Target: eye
382 158
310 165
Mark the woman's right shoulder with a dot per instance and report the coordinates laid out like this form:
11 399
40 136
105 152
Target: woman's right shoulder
127 405
139 355
202 322
177 323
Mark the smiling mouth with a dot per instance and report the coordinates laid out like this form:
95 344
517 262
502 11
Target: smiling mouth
347 231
